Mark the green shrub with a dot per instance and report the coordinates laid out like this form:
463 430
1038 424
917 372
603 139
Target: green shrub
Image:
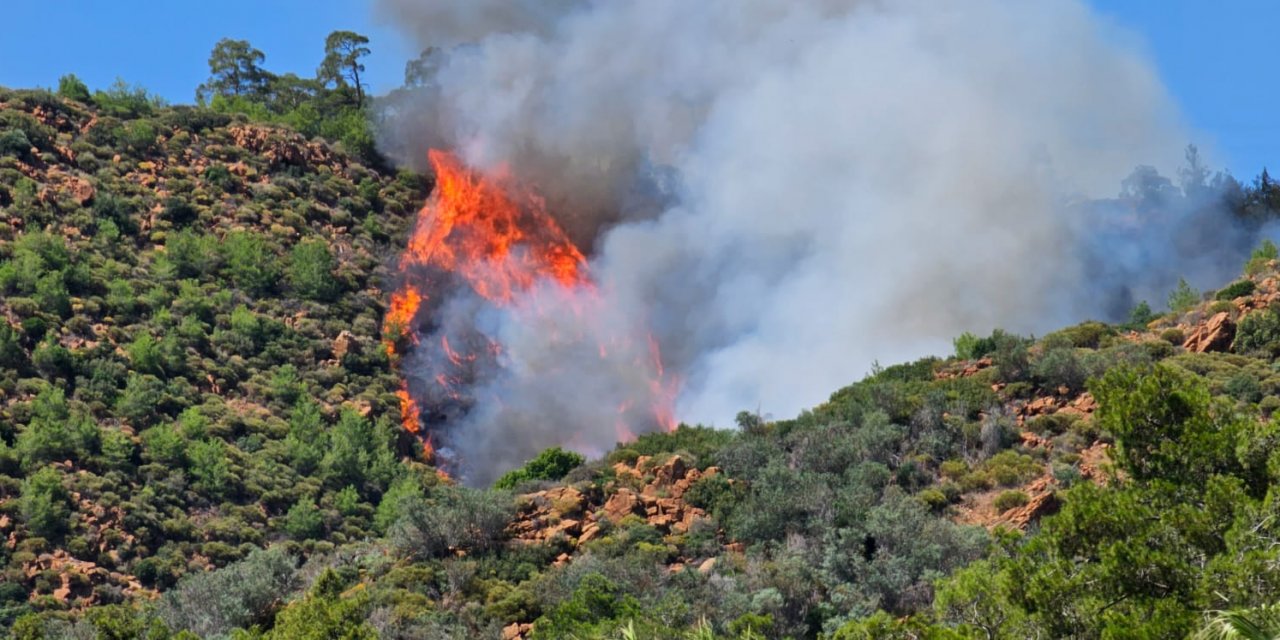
304 520
124 101
1237 289
1011 499
1141 315
966 346
250 262
73 88
310 270
934 499
551 464
239 595
451 518
1261 257
1086 335
45 503
1258 331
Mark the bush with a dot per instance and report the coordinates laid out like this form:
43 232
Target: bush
304 520
73 88
1259 331
1261 257
311 270
966 345
1164 424
1011 499
551 464
1141 315
934 499
45 504
241 594
124 101
452 518
1237 289
250 262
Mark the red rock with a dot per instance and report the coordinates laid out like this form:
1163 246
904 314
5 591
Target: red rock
707 566
1215 334
674 469
621 504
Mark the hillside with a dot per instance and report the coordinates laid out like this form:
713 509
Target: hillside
199 437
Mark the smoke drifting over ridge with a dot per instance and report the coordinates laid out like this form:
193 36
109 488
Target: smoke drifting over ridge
784 191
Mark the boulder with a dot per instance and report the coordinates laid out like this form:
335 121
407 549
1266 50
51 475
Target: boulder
621 504
1215 334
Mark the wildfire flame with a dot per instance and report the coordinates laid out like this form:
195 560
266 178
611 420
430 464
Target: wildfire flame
491 235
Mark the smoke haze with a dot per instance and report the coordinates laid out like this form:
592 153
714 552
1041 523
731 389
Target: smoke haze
783 191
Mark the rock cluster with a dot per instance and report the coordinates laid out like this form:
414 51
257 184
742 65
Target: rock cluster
1214 334
576 514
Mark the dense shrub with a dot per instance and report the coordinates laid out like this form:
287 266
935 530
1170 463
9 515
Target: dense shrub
1258 331
1011 499
551 464
238 595
451 518
1237 289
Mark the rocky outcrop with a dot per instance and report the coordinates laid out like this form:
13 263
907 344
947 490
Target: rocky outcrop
280 147
577 514
1214 334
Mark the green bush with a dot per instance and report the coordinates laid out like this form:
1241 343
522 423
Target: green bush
451 518
1011 499
551 464
304 520
239 595
73 88
250 262
1258 331
1261 257
1237 289
310 270
45 504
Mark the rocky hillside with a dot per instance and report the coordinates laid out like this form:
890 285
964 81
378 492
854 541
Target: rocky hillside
198 438
189 313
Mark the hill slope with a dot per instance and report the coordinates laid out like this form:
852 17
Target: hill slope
191 307
198 436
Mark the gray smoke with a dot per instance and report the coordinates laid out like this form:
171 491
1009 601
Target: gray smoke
785 191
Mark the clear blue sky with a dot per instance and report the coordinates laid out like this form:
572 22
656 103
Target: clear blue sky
1215 57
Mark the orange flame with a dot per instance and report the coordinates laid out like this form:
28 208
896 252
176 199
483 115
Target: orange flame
496 237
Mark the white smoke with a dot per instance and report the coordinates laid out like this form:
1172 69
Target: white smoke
785 191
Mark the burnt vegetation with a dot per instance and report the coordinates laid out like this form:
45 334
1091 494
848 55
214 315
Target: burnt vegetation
199 428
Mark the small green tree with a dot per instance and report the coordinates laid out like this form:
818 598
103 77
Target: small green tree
73 88
304 520
1183 297
551 464
250 262
45 504
306 442
311 270
325 613
1165 424
55 432
209 466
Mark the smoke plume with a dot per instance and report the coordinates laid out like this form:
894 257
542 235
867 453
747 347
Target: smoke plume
783 192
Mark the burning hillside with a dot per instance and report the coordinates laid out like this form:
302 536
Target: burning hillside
487 264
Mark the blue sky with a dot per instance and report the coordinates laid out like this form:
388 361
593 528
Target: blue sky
1213 56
